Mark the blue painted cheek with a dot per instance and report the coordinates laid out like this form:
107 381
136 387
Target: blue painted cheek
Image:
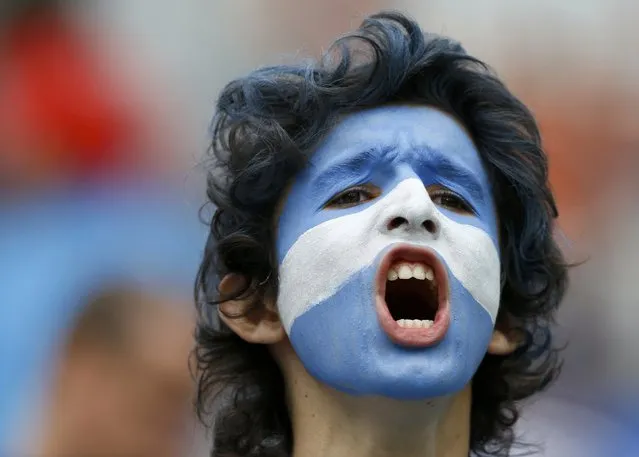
341 344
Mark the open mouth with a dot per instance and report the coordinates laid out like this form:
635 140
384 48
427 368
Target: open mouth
412 296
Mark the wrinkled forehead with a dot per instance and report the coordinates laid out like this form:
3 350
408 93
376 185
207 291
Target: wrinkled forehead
400 126
409 133
418 136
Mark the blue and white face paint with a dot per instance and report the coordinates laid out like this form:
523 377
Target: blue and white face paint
394 215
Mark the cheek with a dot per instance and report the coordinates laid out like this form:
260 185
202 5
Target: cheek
313 269
473 259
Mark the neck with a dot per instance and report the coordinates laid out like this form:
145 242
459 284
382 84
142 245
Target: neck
326 422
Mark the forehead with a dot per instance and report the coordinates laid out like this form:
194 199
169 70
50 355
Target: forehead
430 133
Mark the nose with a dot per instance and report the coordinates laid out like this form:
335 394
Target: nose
399 222
412 212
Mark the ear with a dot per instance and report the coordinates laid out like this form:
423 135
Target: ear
255 324
505 342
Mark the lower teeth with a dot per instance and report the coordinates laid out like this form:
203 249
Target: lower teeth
414 323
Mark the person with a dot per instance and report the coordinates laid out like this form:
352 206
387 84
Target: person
122 387
380 276
100 305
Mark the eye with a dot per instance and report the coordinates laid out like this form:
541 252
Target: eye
451 201
352 197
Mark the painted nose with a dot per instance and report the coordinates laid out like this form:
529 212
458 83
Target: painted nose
413 212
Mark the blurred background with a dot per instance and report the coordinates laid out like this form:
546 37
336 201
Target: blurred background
104 114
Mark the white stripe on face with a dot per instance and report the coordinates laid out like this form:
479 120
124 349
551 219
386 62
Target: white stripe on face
325 256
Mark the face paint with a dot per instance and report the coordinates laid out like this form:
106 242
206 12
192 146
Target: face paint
360 281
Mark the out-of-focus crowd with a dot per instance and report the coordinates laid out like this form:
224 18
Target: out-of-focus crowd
99 244
99 231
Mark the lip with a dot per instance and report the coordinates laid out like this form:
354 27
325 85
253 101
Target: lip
413 337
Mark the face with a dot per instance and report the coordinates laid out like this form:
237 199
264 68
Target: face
388 256
145 389
154 386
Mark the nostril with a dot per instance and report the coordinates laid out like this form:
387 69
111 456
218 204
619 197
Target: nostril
396 223
430 226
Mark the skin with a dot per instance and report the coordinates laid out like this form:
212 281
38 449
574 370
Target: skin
384 397
143 384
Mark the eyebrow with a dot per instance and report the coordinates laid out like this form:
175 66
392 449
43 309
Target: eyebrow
441 164
459 173
347 168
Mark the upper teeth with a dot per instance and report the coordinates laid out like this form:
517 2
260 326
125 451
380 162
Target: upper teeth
405 270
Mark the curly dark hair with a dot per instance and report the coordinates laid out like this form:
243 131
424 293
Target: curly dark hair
265 127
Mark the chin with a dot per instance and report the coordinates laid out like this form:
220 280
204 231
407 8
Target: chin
422 381
413 377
